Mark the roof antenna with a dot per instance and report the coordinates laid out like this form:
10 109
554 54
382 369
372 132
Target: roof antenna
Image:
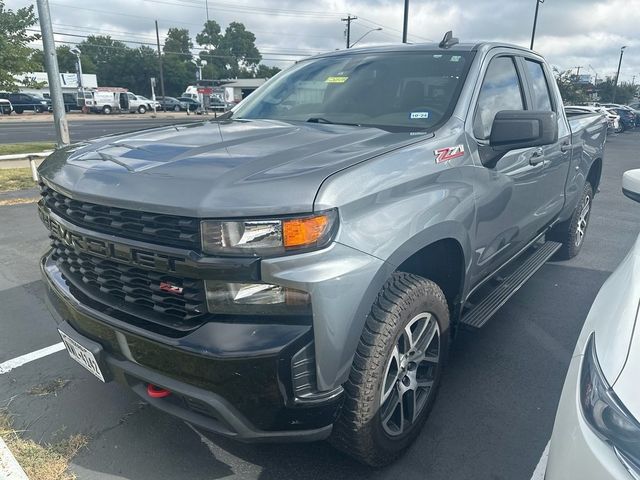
449 40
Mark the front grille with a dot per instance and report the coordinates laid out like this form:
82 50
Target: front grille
156 228
133 290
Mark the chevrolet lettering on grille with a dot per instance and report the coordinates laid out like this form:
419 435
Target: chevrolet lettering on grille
110 250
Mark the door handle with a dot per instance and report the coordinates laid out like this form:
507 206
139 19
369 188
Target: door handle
565 147
537 157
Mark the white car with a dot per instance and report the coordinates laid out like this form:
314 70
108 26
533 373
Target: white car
148 102
5 107
613 119
596 435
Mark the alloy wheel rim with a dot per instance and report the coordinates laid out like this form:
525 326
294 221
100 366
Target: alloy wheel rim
410 374
583 220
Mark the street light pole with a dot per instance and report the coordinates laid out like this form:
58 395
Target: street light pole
405 24
53 73
372 30
76 51
615 85
535 22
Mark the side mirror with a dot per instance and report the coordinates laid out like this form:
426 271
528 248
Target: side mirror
514 129
631 184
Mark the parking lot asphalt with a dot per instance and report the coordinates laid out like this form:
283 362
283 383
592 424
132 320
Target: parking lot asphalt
492 419
20 131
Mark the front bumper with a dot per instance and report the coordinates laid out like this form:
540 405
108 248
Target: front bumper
575 451
234 379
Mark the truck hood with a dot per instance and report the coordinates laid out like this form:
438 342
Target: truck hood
216 169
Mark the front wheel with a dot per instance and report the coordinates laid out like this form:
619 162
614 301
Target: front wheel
396 371
572 232
176 108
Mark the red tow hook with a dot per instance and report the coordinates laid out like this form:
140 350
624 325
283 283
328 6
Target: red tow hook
157 392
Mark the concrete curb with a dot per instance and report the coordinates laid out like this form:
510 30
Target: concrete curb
10 469
20 156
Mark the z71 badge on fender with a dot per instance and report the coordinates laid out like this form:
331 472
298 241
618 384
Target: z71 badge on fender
448 153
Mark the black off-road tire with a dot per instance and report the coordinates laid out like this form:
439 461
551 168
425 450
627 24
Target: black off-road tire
359 429
568 233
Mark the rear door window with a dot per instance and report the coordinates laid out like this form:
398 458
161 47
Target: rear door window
501 90
541 99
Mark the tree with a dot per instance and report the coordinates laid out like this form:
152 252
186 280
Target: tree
231 54
16 57
179 71
66 60
239 44
266 72
572 93
624 93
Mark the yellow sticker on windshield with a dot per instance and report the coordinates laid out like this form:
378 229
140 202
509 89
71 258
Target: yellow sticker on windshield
336 79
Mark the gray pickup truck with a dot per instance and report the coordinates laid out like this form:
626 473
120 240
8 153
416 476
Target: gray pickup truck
296 270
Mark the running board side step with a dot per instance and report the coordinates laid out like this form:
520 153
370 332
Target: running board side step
483 311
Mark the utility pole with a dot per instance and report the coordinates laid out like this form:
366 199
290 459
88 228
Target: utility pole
160 61
535 22
349 19
53 73
615 85
405 24
578 72
206 6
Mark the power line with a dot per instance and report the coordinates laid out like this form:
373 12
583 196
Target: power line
152 44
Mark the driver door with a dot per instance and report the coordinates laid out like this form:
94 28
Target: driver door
508 196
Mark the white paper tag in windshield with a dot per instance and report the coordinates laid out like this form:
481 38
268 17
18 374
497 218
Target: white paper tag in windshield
419 115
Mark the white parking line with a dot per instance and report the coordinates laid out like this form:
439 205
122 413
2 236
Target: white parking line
538 473
9 365
10 469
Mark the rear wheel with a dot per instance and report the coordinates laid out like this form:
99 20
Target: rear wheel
572 232
142 109
176 108
396 371
18 110
106 109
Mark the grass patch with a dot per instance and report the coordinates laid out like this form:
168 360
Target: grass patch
18 201
12 179
29 147
41 462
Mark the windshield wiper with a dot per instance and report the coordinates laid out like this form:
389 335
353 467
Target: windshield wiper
319 120
329 122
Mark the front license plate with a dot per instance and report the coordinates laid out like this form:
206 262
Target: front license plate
81 355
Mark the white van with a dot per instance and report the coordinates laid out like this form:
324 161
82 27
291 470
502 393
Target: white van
115 100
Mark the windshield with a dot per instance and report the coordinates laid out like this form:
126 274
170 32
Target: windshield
392 90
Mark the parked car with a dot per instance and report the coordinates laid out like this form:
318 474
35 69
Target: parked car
192 105
636 109
596 435
27 101
5 107
148 103
294 271
217 104
171 103
70 101
627 117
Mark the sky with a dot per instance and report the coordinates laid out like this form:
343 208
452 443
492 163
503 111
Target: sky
570 33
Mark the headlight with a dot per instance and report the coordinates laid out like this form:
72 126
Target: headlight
606 415
43 102
269 236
